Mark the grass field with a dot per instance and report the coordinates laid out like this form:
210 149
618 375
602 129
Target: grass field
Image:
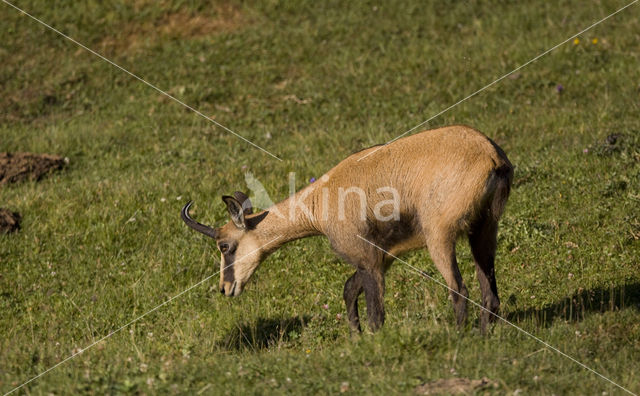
102 241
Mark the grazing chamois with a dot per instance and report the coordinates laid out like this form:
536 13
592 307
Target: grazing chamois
423 190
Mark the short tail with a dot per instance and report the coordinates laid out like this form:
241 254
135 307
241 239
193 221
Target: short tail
503 177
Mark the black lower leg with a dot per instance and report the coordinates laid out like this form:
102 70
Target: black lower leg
373 285
483 247
459 300
490 300
352 289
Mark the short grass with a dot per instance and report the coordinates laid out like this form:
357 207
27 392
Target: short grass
102 242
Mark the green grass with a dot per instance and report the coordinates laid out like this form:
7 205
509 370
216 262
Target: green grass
568 254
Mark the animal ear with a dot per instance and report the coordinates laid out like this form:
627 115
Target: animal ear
241 197
235 211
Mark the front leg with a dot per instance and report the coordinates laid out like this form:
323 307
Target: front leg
352 290
369 277
373 285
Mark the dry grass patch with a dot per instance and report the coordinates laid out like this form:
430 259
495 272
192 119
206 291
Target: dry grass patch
136 35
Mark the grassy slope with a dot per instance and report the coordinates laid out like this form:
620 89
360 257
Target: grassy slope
79 268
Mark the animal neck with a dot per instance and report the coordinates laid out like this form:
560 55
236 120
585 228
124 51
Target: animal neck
288 220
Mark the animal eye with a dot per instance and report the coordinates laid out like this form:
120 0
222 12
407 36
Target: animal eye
223 247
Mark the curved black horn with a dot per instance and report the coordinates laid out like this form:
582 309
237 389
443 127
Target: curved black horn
206 230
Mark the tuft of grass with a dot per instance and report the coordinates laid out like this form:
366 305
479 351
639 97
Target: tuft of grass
102 242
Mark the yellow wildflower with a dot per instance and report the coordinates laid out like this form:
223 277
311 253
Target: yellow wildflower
576 41
594 41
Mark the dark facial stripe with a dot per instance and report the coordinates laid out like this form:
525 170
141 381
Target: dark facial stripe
228 274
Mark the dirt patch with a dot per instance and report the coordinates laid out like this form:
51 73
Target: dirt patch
16 167
9 221
173 25
453 386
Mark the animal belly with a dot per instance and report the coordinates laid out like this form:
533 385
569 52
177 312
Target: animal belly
413 243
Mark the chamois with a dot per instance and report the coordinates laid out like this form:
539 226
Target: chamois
424 190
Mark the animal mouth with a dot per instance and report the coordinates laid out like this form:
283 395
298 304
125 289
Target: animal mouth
233 289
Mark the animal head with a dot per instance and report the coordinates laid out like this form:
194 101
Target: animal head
240 249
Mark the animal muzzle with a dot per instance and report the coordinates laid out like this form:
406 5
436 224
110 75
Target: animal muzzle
231 289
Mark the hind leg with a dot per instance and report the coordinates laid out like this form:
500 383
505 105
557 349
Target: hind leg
482 239
443 254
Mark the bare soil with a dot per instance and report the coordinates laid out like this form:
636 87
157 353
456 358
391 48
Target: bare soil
16 167
9 221
453 386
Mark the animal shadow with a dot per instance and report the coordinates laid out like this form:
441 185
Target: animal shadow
263 333
576 307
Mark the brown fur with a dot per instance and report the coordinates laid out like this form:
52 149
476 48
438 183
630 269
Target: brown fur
452 181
